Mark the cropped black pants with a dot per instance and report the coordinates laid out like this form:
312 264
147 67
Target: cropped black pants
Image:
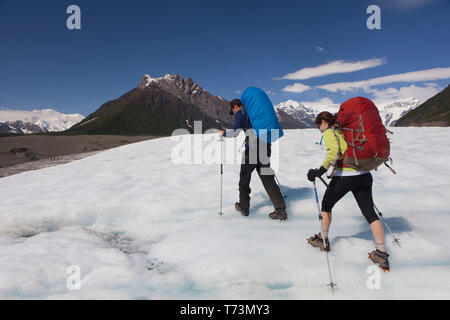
360 186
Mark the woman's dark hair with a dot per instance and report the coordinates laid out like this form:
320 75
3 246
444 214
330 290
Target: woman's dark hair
328 117
235 102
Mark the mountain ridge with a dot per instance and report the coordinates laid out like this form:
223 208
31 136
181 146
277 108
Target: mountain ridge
304 116
435 112
20 127
27 122
144 110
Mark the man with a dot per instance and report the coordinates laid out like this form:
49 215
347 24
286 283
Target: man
253 160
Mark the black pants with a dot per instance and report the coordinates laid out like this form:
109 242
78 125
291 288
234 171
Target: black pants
268 180
360 186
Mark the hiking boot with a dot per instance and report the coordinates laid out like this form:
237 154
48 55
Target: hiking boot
317 242
381 258
280 215
245 212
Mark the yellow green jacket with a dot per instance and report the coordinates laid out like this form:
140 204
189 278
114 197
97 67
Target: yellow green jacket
331 139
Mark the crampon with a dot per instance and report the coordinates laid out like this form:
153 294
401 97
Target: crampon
317 241
380 258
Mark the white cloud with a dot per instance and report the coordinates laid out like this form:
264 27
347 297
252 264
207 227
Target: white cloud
297 88
389 95
339 66
269 92
324 104
320 49
415 76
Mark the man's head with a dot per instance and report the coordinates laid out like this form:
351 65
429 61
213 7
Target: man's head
235 106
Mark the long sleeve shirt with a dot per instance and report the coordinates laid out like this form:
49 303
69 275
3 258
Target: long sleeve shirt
241 122
336 147
330 139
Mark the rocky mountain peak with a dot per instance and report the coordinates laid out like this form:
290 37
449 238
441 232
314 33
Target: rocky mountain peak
173 82
409 102
146 79
190 92
20 127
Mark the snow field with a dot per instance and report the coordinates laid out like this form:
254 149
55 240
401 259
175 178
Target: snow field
141 227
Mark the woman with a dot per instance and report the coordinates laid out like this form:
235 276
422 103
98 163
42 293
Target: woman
345 179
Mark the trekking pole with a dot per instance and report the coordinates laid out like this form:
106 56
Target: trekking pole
221 175
321 140
380 215
331 284
396 240
281 189
221 171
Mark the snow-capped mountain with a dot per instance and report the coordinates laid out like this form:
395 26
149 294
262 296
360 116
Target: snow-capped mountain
390 113
302 114
190 92
305 115
289 122
49 120
20 127
157 107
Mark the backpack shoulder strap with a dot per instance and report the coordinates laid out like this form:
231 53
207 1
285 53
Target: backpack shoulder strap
338 153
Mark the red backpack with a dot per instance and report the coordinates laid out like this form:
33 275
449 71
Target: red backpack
368 145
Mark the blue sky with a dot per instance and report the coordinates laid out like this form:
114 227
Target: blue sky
224 46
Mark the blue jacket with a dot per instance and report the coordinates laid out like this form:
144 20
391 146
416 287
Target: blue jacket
241 122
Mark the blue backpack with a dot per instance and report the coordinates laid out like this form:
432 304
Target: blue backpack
262 114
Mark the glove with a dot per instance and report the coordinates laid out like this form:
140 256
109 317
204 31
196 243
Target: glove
315 173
